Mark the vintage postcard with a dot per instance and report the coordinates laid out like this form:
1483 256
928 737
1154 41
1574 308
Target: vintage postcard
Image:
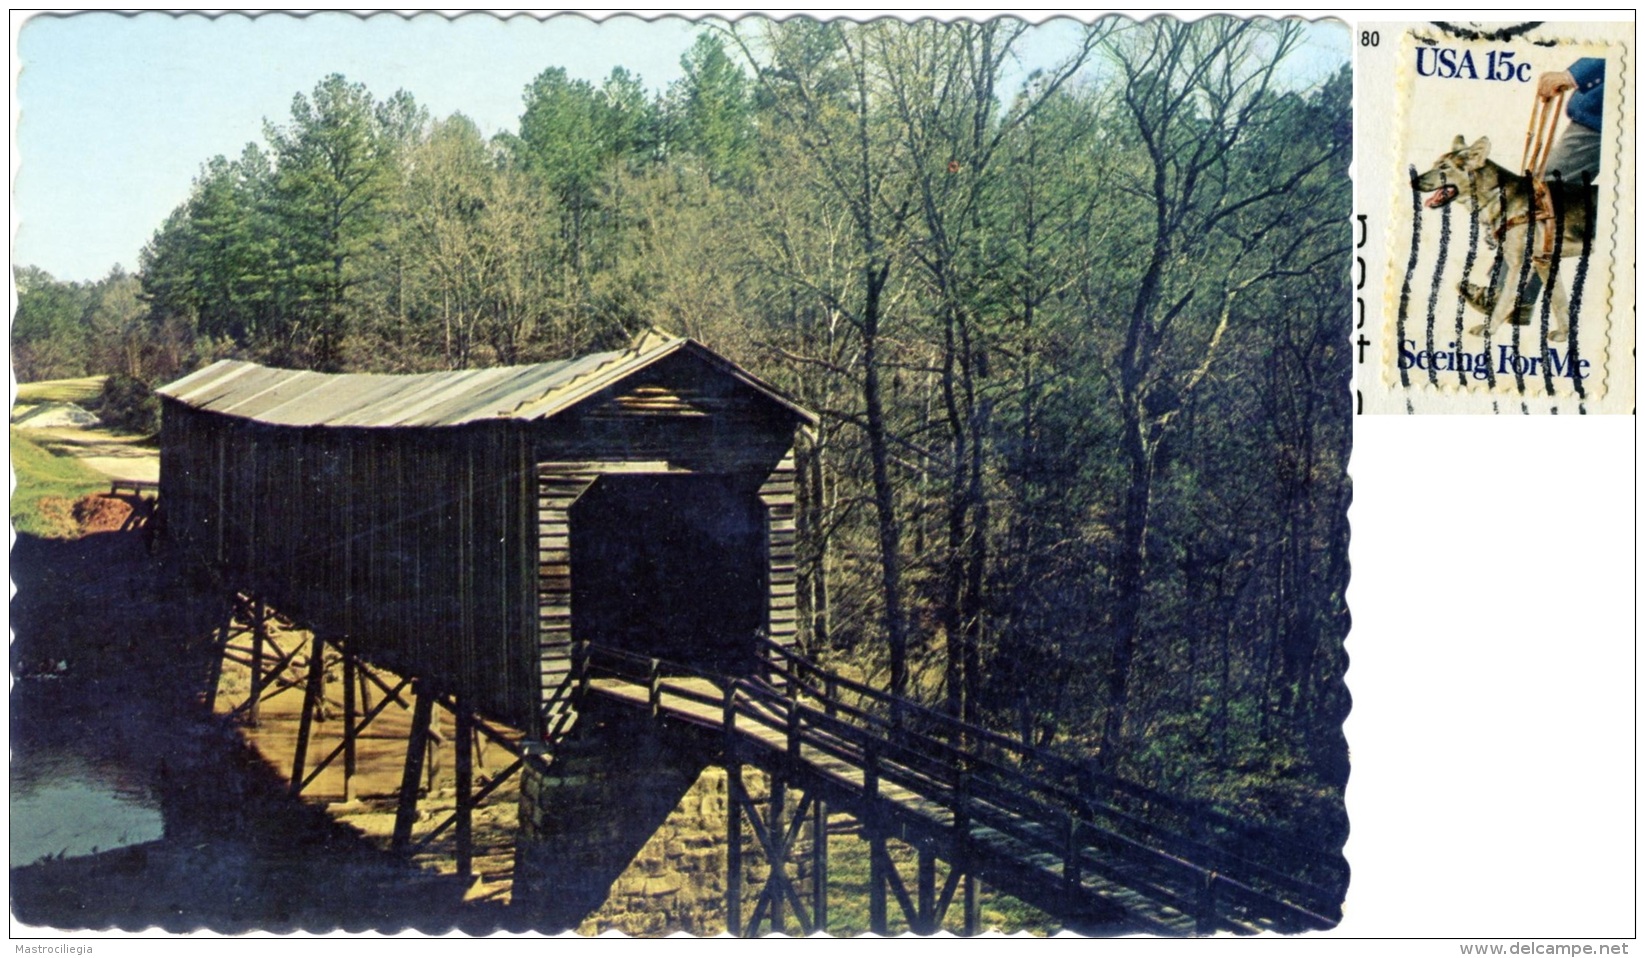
658 476
1497 218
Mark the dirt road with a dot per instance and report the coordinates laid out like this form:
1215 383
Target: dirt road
116 455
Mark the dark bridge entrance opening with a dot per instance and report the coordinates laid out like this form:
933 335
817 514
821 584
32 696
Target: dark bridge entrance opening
672 567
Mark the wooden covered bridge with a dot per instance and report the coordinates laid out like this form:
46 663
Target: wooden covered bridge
573 547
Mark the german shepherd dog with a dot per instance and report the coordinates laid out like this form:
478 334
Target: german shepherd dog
1506 205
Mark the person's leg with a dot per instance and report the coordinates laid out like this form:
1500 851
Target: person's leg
1576 153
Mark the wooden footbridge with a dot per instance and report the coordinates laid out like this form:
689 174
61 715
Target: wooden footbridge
528 546
1099 853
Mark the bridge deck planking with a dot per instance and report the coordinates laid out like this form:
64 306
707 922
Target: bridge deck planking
1017 864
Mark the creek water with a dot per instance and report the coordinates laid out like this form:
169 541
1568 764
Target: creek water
72 798
130 808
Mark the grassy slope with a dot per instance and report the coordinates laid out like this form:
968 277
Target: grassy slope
43 475
61 390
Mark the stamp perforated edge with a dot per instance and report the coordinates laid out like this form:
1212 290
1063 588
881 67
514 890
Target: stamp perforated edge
1598 384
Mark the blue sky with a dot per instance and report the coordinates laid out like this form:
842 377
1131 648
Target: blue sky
117 113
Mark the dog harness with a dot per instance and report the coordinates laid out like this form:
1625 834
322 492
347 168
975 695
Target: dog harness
1542 210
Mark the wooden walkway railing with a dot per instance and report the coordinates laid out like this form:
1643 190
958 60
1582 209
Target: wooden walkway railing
1056 833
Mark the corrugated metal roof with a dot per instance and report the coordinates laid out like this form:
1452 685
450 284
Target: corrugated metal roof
288 397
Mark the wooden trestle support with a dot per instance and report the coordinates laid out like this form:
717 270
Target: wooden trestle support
777 826
246 638
789 828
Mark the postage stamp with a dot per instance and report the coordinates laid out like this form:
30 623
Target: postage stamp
1506 194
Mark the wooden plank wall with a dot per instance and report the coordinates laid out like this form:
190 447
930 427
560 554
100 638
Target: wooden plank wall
558 487
418 547
680 411
782 623
561 484
678 415
444 553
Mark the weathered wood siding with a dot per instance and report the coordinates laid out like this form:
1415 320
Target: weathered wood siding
781 506
417 546
679 411
676 416
558 487
444 552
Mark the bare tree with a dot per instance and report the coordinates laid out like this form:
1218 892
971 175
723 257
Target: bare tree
1230 206
824 86
944 83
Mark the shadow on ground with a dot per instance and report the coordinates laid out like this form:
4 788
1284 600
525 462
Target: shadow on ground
108 655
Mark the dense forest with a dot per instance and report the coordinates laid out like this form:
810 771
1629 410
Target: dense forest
1076 339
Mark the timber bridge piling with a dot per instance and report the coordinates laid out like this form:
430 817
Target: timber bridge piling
1096 853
